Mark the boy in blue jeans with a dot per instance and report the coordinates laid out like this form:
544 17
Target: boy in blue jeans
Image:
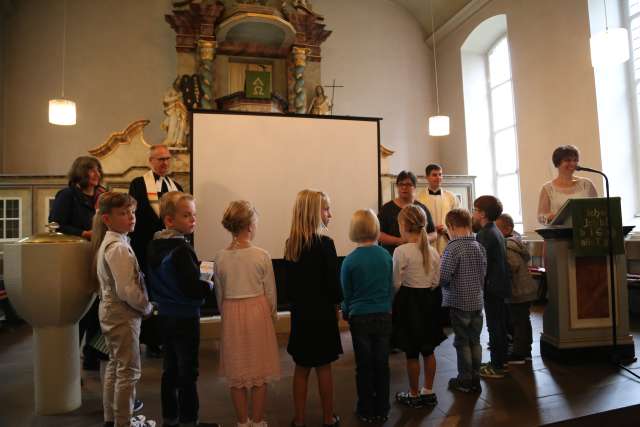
175 284
497 284
462 272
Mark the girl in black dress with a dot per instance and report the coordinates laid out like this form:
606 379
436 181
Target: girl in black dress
313 288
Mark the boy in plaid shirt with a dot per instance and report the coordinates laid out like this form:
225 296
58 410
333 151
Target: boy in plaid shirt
462 272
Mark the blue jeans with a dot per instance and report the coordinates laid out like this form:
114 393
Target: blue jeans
495 309
371 336
467 326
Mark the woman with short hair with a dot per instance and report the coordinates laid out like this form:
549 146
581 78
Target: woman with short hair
565 186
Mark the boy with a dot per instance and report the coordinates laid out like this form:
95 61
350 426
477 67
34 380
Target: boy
439 202
497 285
462 270
176 286
524 290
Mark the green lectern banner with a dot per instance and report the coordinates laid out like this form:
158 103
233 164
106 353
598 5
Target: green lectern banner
257 84
590 232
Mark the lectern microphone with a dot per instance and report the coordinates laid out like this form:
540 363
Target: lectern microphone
582 168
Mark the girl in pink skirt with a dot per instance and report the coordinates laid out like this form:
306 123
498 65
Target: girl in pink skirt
246 292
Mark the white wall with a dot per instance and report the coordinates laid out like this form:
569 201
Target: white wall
378 53
121 60
553 88
615 116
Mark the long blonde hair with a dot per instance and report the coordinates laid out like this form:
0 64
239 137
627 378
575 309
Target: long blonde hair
108 201
413 219
306 221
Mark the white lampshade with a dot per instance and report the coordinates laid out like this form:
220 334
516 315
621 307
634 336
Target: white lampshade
62 112
439 125
609 47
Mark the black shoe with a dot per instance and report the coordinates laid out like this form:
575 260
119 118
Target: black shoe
108 424
137 405
476 387
336 422
429 399
293 424
381 419
366 419
405 398
459 385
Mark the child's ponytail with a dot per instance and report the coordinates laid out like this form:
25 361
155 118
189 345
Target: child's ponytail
414 220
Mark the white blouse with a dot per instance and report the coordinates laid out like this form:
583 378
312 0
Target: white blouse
409 271
552 197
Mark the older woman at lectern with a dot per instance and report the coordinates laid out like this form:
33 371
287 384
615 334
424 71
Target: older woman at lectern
565 186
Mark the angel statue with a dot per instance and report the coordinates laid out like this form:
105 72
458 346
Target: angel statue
175 123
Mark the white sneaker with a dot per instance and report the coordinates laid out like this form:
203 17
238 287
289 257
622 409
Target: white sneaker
142 421
249 423
262 423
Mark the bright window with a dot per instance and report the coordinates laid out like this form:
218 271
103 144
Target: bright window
503 130
10 222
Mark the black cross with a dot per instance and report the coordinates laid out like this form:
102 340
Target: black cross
333 89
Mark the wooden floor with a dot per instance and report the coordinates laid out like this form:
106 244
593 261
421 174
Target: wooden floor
541 392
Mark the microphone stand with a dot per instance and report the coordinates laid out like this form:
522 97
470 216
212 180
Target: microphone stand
614 357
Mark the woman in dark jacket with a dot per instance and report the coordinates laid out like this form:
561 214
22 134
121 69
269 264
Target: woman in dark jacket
73 209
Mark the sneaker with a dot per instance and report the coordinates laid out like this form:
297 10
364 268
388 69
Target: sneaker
459 385
405 398
515 359
137 405
142 421
475 386
428 399
488 371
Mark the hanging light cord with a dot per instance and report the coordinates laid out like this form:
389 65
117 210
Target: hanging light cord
606 23
64 41
435 59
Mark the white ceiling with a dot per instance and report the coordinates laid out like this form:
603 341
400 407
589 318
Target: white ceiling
443 10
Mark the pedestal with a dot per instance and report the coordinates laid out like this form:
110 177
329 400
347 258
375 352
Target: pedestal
577 321
56 363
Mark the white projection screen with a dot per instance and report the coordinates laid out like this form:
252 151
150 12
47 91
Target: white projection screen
267 158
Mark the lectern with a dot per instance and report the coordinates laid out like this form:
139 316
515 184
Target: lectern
578 318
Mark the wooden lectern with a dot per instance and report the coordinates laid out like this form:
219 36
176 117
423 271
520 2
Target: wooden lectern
577 321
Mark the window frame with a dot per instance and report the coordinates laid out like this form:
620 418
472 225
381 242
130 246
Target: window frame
4 219
493 131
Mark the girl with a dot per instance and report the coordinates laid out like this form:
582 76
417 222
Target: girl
416 309
123 303
368 290
246 292
313 289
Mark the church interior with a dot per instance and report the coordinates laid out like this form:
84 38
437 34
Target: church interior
512 80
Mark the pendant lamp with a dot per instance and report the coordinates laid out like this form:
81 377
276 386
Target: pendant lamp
609 47
438 124
62 111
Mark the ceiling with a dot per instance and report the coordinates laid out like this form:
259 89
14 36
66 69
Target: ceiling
443 10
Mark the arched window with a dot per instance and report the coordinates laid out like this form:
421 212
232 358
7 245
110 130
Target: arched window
492 149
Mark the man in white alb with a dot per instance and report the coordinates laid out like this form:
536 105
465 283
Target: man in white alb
439 202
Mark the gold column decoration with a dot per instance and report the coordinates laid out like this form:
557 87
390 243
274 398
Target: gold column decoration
206 51
299 64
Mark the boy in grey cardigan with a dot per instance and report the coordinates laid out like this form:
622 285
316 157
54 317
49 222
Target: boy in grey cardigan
524 290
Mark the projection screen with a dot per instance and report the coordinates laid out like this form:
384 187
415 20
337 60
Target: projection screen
267 159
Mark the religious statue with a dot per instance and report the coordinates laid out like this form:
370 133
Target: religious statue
176 122
320 104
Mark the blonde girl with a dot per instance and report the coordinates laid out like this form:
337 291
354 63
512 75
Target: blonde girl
417 328
123 304
367 285
313 289
246 293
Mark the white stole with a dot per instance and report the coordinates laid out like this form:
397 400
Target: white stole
154 188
